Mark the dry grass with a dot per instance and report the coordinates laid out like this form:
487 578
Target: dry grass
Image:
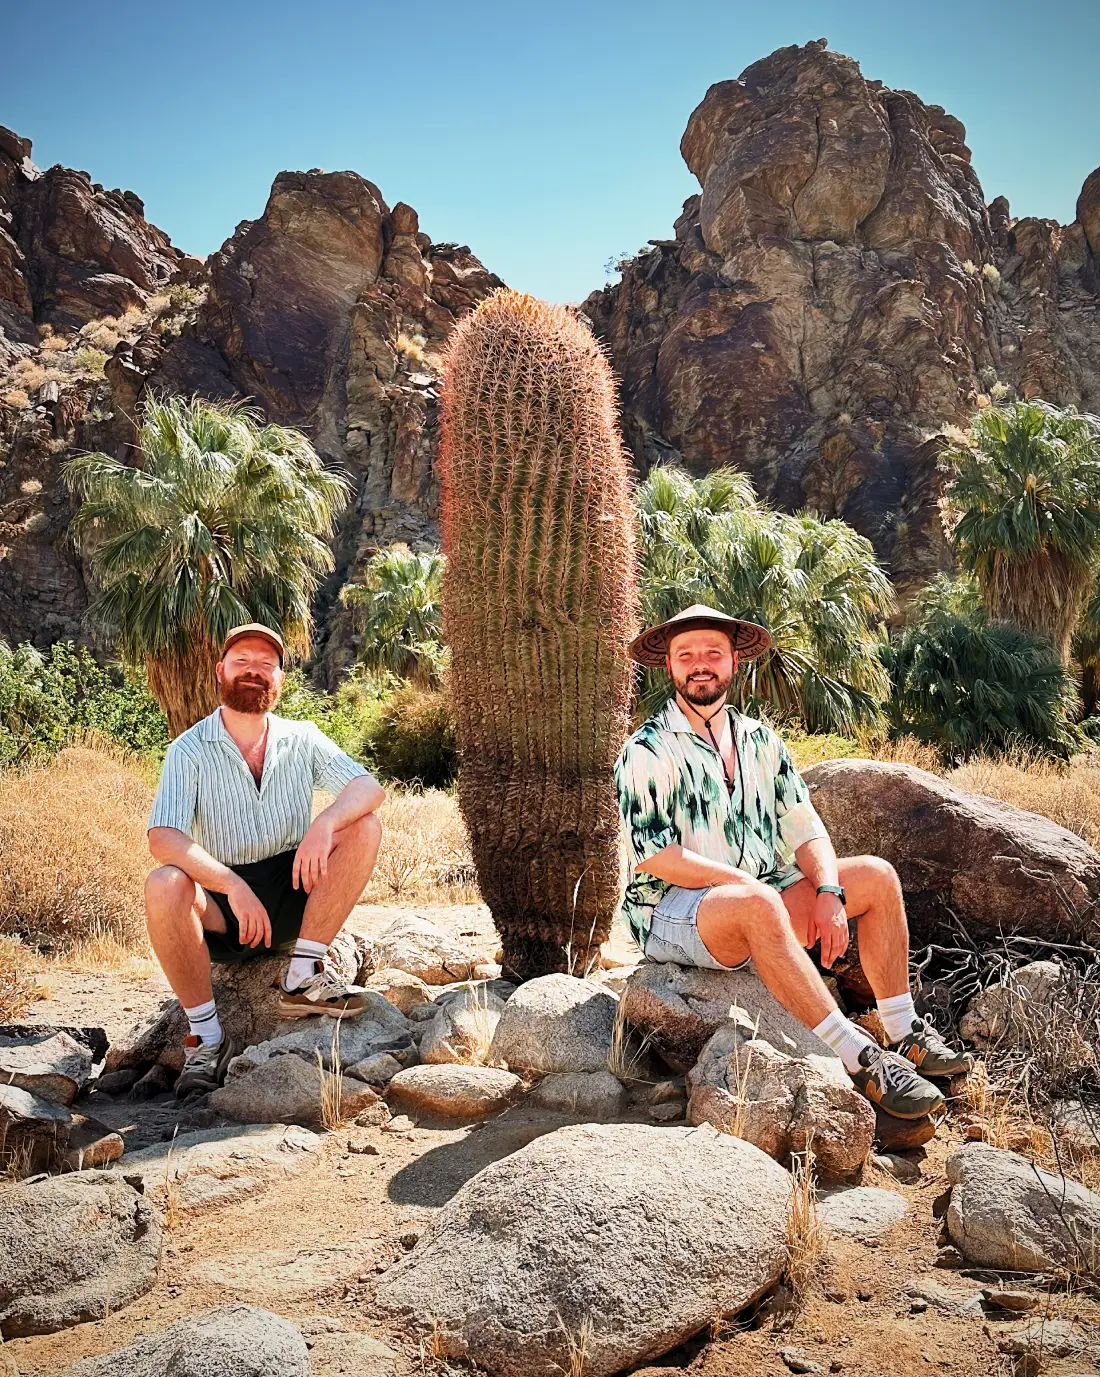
626 1057
332 1083
28 374
412 346
54 344
74 857
1067 794
425 854
579 1344
16 398
805 1236
18 987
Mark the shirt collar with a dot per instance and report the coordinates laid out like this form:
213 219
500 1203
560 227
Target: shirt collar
212 728
674 719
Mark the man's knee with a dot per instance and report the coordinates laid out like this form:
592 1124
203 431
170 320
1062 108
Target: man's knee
878 874
363 832
745 906
168 887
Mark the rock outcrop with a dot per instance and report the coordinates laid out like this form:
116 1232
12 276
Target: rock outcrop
837 294
960 857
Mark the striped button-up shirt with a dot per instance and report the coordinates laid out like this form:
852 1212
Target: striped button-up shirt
207 790
672 788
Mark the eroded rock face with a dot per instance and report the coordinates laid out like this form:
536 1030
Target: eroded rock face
617 1216
836 294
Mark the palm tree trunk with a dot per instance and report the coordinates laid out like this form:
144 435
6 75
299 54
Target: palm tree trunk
1042 593
185 686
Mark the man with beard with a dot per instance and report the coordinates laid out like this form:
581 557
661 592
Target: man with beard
241 868
731 863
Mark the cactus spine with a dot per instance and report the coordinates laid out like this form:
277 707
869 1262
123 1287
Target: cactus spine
539 604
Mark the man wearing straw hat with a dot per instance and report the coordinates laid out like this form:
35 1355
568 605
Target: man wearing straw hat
730 863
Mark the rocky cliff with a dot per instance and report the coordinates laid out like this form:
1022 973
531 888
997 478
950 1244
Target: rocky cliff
329 312
839 293
837 296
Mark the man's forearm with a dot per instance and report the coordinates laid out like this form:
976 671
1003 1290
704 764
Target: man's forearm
363 795
170 846
817 861
678 866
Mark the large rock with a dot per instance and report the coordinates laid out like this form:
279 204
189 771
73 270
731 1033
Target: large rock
33 1132
463 1029
54 1065
217 1165
286 1090
231 1341
993 867
864 1212
418 947
678 1009
345 1041
786 1093
1007 1213
75 1248
454 1092
556 1023
247 997
634 1236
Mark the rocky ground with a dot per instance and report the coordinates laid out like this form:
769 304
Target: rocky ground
341 1231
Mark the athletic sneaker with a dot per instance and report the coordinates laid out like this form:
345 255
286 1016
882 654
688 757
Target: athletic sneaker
203 1066
323 993
891 1083
932 1056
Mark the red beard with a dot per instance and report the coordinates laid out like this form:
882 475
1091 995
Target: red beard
249 696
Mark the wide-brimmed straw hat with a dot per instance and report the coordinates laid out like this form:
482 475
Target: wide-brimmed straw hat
748 639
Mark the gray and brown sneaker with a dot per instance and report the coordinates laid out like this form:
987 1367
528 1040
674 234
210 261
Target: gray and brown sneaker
203 1067
892 1084
930 1054
323 993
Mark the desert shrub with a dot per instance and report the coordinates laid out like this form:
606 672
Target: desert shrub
1067 794
28 374
967 684
90 360
17 986
73 855
49 700
16 398
425 854
54 344
414 740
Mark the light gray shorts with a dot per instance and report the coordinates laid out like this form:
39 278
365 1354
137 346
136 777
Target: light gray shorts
674 932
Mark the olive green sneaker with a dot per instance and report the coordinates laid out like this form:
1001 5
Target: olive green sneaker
930 1054
891 1083
204 1067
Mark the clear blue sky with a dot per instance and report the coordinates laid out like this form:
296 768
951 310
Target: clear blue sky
546 136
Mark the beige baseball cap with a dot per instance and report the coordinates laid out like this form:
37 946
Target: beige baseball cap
238 633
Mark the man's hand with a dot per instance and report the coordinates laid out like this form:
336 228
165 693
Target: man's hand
311 858
251 916
829 922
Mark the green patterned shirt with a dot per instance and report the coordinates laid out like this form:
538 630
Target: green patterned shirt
672 788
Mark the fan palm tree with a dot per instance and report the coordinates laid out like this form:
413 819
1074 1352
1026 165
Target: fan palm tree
815 585
223 521
399 610
1086 650
967 683
1027 494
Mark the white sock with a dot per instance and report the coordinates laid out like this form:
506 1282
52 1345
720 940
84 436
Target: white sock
897 1014
304 963
846 1038
203 1019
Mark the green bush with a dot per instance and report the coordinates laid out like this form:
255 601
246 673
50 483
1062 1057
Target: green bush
48 700
968 684
414 741
350 716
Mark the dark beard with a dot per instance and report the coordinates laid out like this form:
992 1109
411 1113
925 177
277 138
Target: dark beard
249 696
702 695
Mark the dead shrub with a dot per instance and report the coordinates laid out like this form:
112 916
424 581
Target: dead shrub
17 984
1067 794
16 398
74 854
425 853
54 344
28 374
805 1235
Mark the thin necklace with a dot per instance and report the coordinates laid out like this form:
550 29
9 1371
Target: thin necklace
725 774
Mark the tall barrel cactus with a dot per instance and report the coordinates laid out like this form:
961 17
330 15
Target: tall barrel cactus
539 605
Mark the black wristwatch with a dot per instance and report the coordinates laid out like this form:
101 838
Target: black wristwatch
838 890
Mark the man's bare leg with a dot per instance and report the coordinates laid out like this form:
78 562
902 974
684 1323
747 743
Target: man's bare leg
177 912
874 898
746 919
350 864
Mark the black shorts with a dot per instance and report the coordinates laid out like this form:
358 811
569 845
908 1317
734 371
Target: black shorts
270 881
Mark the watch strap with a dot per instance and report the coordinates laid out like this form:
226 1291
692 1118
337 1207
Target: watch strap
838 890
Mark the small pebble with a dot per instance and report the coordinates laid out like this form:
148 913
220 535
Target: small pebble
798 1361
1017 1301
364 1149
